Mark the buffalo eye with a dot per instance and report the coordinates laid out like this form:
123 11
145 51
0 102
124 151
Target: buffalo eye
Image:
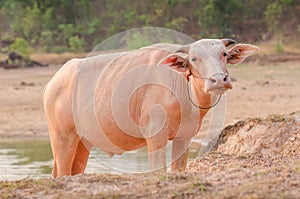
193 59
225 54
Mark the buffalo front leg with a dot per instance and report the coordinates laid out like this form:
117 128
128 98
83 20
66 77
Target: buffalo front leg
157 153
180 152
81 157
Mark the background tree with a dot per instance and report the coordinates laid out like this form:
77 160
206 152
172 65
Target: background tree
58 26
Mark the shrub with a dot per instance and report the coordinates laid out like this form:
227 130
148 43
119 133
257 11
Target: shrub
21 46
6 41
47 40
59 49
136 40
76 44
279 47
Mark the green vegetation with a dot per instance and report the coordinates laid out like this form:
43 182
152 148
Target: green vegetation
21 46
58 26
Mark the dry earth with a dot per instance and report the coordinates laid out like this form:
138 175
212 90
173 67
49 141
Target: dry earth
255 158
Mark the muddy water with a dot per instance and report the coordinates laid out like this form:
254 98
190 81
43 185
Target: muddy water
33 159
24 159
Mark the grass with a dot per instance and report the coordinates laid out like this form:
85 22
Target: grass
277 118
271 47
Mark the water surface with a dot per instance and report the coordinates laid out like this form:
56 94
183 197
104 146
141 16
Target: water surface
33 159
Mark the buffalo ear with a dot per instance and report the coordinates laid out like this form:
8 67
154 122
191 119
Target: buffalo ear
176 62
240 52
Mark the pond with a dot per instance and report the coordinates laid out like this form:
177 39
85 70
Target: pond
33 159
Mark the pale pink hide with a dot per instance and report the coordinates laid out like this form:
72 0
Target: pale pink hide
80 117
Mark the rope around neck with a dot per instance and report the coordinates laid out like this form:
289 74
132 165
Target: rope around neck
194 104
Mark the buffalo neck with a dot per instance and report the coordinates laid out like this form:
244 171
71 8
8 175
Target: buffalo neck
203 99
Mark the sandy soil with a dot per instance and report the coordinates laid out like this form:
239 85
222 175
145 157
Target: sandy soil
234 171
21 108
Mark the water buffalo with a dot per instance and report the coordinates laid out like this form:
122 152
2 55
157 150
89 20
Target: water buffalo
120 102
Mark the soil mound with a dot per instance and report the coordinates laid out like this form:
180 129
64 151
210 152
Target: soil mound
277 135
260 158
254 144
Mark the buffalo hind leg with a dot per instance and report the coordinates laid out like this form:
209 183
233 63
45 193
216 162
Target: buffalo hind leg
64 148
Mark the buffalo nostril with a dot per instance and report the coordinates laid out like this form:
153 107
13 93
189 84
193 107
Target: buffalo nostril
213 80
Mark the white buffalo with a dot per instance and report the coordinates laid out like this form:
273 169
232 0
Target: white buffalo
120 102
